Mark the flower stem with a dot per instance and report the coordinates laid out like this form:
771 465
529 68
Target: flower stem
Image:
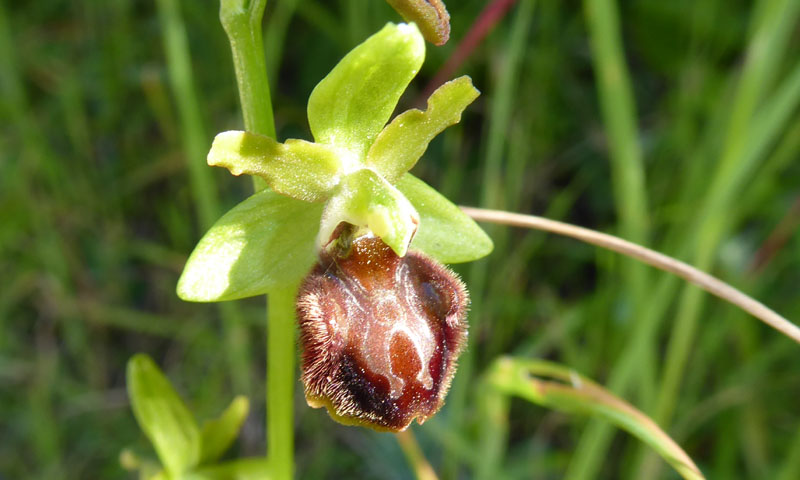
241 20
280 382
419 464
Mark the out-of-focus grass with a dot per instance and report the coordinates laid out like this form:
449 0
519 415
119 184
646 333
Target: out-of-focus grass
98 213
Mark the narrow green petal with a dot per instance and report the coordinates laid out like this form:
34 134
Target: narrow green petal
163 416
218 434
299 169
402 142
350 106
367 200
265 242
445 232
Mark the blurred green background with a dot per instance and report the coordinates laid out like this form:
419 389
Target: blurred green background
675 125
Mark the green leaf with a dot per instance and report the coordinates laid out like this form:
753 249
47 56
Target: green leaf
163 416
574 393
405 139
299 169
265 242
445 232
366 199
218 434
350 106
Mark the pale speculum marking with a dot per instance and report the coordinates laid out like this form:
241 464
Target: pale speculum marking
393 312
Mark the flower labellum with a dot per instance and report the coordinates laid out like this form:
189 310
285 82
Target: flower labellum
380 333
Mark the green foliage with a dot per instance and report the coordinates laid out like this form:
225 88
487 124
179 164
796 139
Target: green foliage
350 106
218 434
183 448
576 394
163 416
405 139
298 169
264 243
365 199
97 217
445 233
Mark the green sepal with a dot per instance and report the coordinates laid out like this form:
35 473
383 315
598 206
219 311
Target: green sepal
366 199
162 416
405 139
445 232
265 242
218 434
350 106
299 169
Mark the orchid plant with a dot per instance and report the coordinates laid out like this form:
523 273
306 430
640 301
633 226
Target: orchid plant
347 203
359 244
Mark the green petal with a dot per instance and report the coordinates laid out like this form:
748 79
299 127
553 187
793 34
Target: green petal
267 241
366 199
350 106
402 142
302 170
445 232
163 416
218 434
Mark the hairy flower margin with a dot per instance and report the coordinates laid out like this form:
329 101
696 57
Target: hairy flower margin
354 172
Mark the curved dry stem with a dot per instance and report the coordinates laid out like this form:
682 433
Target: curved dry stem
651 257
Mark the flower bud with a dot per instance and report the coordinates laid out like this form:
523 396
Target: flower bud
380 333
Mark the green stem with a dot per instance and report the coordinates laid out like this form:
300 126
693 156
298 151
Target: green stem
242 22
280 382
419 464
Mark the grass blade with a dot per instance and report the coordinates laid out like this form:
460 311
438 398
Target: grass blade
576 394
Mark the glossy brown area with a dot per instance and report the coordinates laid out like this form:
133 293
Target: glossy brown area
380 334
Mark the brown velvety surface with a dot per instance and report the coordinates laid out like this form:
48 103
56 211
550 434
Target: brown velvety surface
380 334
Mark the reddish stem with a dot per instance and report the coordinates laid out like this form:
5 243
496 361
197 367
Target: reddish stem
780 235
